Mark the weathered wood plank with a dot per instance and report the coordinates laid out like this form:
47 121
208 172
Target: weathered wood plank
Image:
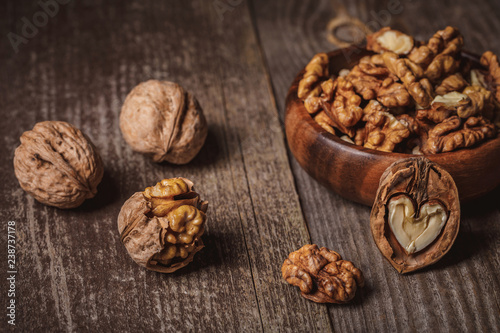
462 291
74 274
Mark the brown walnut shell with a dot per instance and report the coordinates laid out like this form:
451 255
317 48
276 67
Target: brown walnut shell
58 165
161 227
161 119
424 183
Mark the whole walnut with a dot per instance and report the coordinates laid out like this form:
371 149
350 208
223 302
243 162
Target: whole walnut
161 227
58 165
161 119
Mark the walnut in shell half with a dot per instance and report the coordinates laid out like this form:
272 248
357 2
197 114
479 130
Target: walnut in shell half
161 119
416 214
322 275
161 227
58 165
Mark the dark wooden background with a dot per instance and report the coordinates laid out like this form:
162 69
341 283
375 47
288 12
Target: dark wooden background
239 59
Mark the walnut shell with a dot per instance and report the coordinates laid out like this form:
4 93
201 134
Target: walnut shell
58 165
422 189
161 119
161 227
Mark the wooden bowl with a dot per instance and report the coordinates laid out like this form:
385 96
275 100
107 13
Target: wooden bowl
354 172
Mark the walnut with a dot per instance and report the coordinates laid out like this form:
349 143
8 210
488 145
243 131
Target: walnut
345 111
445 42
316 70
314 103
409 73
419 129
325 122
438 56
161 227
442 65
58 165
322 275
381 132
416 214
436 115
374 106
161 119
490 61
346 104
443 107
387 39
412 123
454 82
364 84
450 135
393 94
371 79
480 102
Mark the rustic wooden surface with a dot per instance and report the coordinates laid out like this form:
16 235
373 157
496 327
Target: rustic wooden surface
239 58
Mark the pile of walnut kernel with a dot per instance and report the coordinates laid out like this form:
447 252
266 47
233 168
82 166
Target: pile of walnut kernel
409 96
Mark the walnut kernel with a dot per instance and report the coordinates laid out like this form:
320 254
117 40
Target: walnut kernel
161 227
416 214
322 275
387 39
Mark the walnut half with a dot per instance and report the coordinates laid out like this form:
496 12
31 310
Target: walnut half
322 275
161 227
416 214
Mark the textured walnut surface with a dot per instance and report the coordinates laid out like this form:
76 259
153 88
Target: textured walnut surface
58 165
161 227
422 182
429 81
161 119
322 275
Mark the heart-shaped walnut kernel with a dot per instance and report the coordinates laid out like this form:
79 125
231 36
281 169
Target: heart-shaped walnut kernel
415 233
407 240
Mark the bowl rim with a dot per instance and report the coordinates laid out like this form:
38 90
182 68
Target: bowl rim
293 100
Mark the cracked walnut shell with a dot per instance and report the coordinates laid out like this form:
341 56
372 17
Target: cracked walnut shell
161 227
161 119
322 275
416 214
58 165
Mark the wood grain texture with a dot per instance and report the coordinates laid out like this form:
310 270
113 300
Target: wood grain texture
461 292
239 60
73 272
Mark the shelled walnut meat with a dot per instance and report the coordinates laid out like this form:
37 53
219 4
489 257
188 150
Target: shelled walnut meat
161 227
416 214
161 119
322 275
58 165
407 96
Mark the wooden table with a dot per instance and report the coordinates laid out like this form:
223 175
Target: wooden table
73 273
